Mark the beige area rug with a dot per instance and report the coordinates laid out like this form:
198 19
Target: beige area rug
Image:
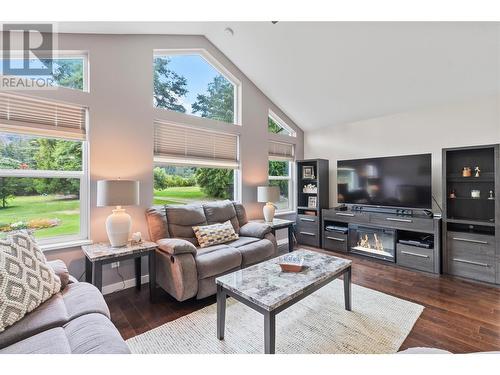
378 323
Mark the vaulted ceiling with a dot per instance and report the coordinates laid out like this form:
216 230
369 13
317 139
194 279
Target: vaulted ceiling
327 73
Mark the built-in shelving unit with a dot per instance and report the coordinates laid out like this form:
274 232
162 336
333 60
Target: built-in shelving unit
312 197
471 217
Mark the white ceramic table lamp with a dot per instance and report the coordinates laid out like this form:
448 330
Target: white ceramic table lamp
268 195
118 193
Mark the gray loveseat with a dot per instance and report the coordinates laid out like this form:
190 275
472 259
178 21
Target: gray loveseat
75 320
185 270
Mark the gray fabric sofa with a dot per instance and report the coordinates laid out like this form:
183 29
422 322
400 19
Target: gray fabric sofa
75 320
183 269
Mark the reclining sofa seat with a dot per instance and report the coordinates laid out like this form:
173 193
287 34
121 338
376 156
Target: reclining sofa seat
185 270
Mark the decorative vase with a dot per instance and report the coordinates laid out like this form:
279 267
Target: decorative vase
118 226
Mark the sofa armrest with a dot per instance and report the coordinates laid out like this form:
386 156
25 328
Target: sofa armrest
176 246
253 229
60 269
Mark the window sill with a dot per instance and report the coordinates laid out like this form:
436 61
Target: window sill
64 245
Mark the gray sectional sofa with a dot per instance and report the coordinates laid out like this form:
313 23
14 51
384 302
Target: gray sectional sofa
75 320
183 269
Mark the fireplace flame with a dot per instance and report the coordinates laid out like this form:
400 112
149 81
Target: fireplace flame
365 242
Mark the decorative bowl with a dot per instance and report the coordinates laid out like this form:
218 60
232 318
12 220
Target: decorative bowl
291 263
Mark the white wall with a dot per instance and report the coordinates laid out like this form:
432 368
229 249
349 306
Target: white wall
121 118
426 130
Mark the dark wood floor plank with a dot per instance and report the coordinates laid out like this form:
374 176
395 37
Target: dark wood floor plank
460 316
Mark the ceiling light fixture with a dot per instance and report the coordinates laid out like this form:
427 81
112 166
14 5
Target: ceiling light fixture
229 31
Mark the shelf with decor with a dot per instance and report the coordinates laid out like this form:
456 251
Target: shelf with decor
312 196
471 212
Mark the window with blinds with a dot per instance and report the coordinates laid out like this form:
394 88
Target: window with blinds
183 145
281 151
21 114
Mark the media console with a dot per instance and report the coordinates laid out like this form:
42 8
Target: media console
412 241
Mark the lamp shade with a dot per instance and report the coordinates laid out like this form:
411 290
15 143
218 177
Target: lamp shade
268 194
117 193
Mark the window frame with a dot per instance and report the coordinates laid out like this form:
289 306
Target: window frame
273 116
291 184
66 54
205 55
82 175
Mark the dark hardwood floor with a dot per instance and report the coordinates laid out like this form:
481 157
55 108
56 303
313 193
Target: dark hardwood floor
459 316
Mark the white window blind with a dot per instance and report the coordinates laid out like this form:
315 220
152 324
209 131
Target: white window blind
21 114
177 144
280 151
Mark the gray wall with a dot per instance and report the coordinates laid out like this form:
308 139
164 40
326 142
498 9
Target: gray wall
121 118
425 130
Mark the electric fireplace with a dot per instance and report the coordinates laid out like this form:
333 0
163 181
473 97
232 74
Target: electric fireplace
373 242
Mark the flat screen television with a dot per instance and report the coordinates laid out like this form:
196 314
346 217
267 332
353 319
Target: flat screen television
395 181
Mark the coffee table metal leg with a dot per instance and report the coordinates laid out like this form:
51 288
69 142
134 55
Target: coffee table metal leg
138 273
221 312
347 289
290 238
269 332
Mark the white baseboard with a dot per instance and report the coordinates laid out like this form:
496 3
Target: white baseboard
130 283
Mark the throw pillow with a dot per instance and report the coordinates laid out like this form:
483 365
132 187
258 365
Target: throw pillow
26 281
209 235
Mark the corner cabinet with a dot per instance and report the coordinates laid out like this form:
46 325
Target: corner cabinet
471 212
313 191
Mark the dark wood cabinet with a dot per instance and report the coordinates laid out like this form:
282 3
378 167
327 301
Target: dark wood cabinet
313 191
471 217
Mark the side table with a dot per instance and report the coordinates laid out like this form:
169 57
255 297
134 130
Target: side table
281 224
96 255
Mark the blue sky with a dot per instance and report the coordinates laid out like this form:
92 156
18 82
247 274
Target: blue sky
198 72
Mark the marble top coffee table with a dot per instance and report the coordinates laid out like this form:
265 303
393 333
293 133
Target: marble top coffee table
268 290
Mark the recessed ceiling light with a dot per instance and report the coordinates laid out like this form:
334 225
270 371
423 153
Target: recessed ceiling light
274 22
229 31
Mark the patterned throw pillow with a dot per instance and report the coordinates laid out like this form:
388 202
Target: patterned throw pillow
208 235
26 281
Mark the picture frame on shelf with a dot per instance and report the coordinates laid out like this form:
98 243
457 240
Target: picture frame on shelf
308 172
312 202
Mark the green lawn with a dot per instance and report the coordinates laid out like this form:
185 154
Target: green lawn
44 207
180 195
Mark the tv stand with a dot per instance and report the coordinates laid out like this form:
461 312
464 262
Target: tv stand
412 241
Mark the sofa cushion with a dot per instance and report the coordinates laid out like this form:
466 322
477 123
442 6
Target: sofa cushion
256 252
213 261
214 234
52 341
181 219
242 241
26 280
157 223
241 213
220 212
75 300
94 334
90 333
254 229
83 298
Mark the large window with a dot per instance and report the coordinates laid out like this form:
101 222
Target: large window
191 85
194 165
69 72
187 184
42 186
280 174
